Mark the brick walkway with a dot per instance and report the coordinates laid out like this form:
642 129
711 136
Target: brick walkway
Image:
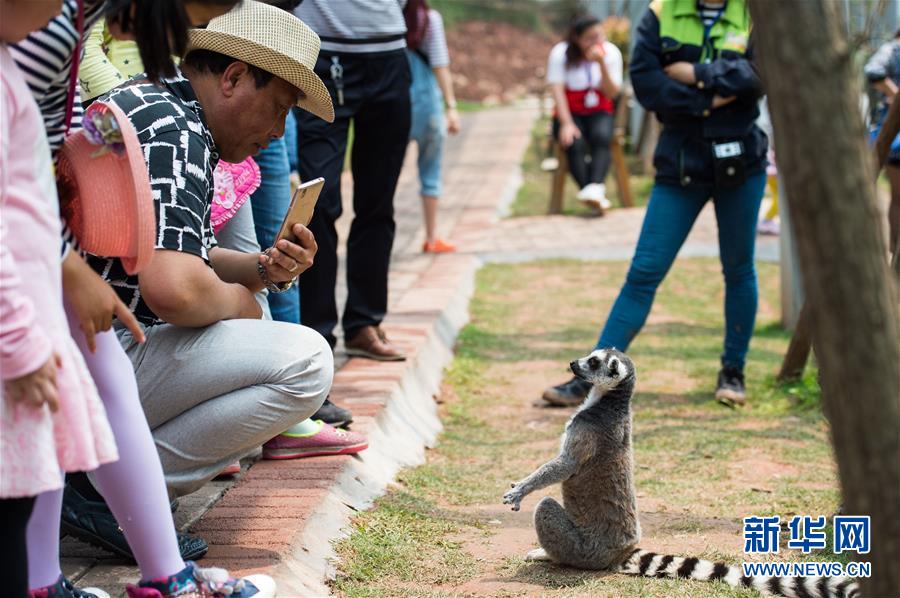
279 516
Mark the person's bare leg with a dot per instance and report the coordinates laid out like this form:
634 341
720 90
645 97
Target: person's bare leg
893 172
429 210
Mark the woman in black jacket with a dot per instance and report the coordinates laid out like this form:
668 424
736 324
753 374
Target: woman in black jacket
692 67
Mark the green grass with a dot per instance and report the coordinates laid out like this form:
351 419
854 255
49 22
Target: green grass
534 194
522 13
699 467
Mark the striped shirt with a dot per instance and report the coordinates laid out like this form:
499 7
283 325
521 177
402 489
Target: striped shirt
709 13
434 44
45 59
356 26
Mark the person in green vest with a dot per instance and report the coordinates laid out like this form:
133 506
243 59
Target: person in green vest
692 66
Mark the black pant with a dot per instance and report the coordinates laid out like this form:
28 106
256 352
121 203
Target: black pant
596 135
376 98
14 514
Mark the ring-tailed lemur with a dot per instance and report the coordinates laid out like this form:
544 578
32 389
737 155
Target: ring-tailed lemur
598 527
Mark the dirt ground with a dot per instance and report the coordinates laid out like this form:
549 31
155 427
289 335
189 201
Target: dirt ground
699 467
497 62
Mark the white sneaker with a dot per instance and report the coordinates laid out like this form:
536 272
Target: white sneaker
594 195
265 585
768 227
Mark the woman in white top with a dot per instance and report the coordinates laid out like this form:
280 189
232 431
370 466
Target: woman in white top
585 75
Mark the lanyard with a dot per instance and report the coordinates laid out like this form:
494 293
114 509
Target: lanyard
708 51
76 60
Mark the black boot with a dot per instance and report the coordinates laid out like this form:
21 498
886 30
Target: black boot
569 394
93 522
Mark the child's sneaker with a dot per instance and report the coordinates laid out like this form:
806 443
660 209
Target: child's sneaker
63 588
194 582
327 440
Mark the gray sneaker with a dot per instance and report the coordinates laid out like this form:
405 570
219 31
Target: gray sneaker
568 394
730 390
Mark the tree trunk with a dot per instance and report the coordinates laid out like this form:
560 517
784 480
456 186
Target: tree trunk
798 350
827 169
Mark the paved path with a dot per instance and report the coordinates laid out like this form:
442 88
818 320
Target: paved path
279 517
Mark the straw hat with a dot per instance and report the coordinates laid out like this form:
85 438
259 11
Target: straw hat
104 188
273 40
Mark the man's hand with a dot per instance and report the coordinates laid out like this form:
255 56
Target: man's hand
286 261
683 72
38 387
94 301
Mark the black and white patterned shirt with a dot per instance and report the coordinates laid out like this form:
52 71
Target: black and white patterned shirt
181 156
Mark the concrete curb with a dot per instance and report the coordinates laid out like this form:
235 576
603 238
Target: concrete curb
398 434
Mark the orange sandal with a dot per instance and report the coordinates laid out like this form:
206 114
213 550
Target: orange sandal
439 246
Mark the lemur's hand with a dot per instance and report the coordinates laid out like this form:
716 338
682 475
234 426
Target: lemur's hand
514 496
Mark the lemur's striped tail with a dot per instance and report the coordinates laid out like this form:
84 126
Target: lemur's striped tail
650 564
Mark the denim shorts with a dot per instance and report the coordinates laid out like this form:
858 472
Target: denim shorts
428 128
894 153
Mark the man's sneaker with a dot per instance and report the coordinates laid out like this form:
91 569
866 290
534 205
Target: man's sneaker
730 387
327 440
93 522
63 588
569 394
194 582
333 415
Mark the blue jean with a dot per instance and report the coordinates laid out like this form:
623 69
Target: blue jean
670 216
270 203
428 127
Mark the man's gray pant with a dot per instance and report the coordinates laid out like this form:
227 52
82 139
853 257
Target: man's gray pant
213 395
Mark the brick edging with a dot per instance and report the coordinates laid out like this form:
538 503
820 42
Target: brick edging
281 516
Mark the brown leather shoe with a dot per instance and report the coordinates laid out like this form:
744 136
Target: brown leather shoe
372 343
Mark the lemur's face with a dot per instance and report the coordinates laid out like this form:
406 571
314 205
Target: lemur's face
603 367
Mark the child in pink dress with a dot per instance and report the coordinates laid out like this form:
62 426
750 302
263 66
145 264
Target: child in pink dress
51 418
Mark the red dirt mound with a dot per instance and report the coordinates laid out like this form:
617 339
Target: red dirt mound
497 62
